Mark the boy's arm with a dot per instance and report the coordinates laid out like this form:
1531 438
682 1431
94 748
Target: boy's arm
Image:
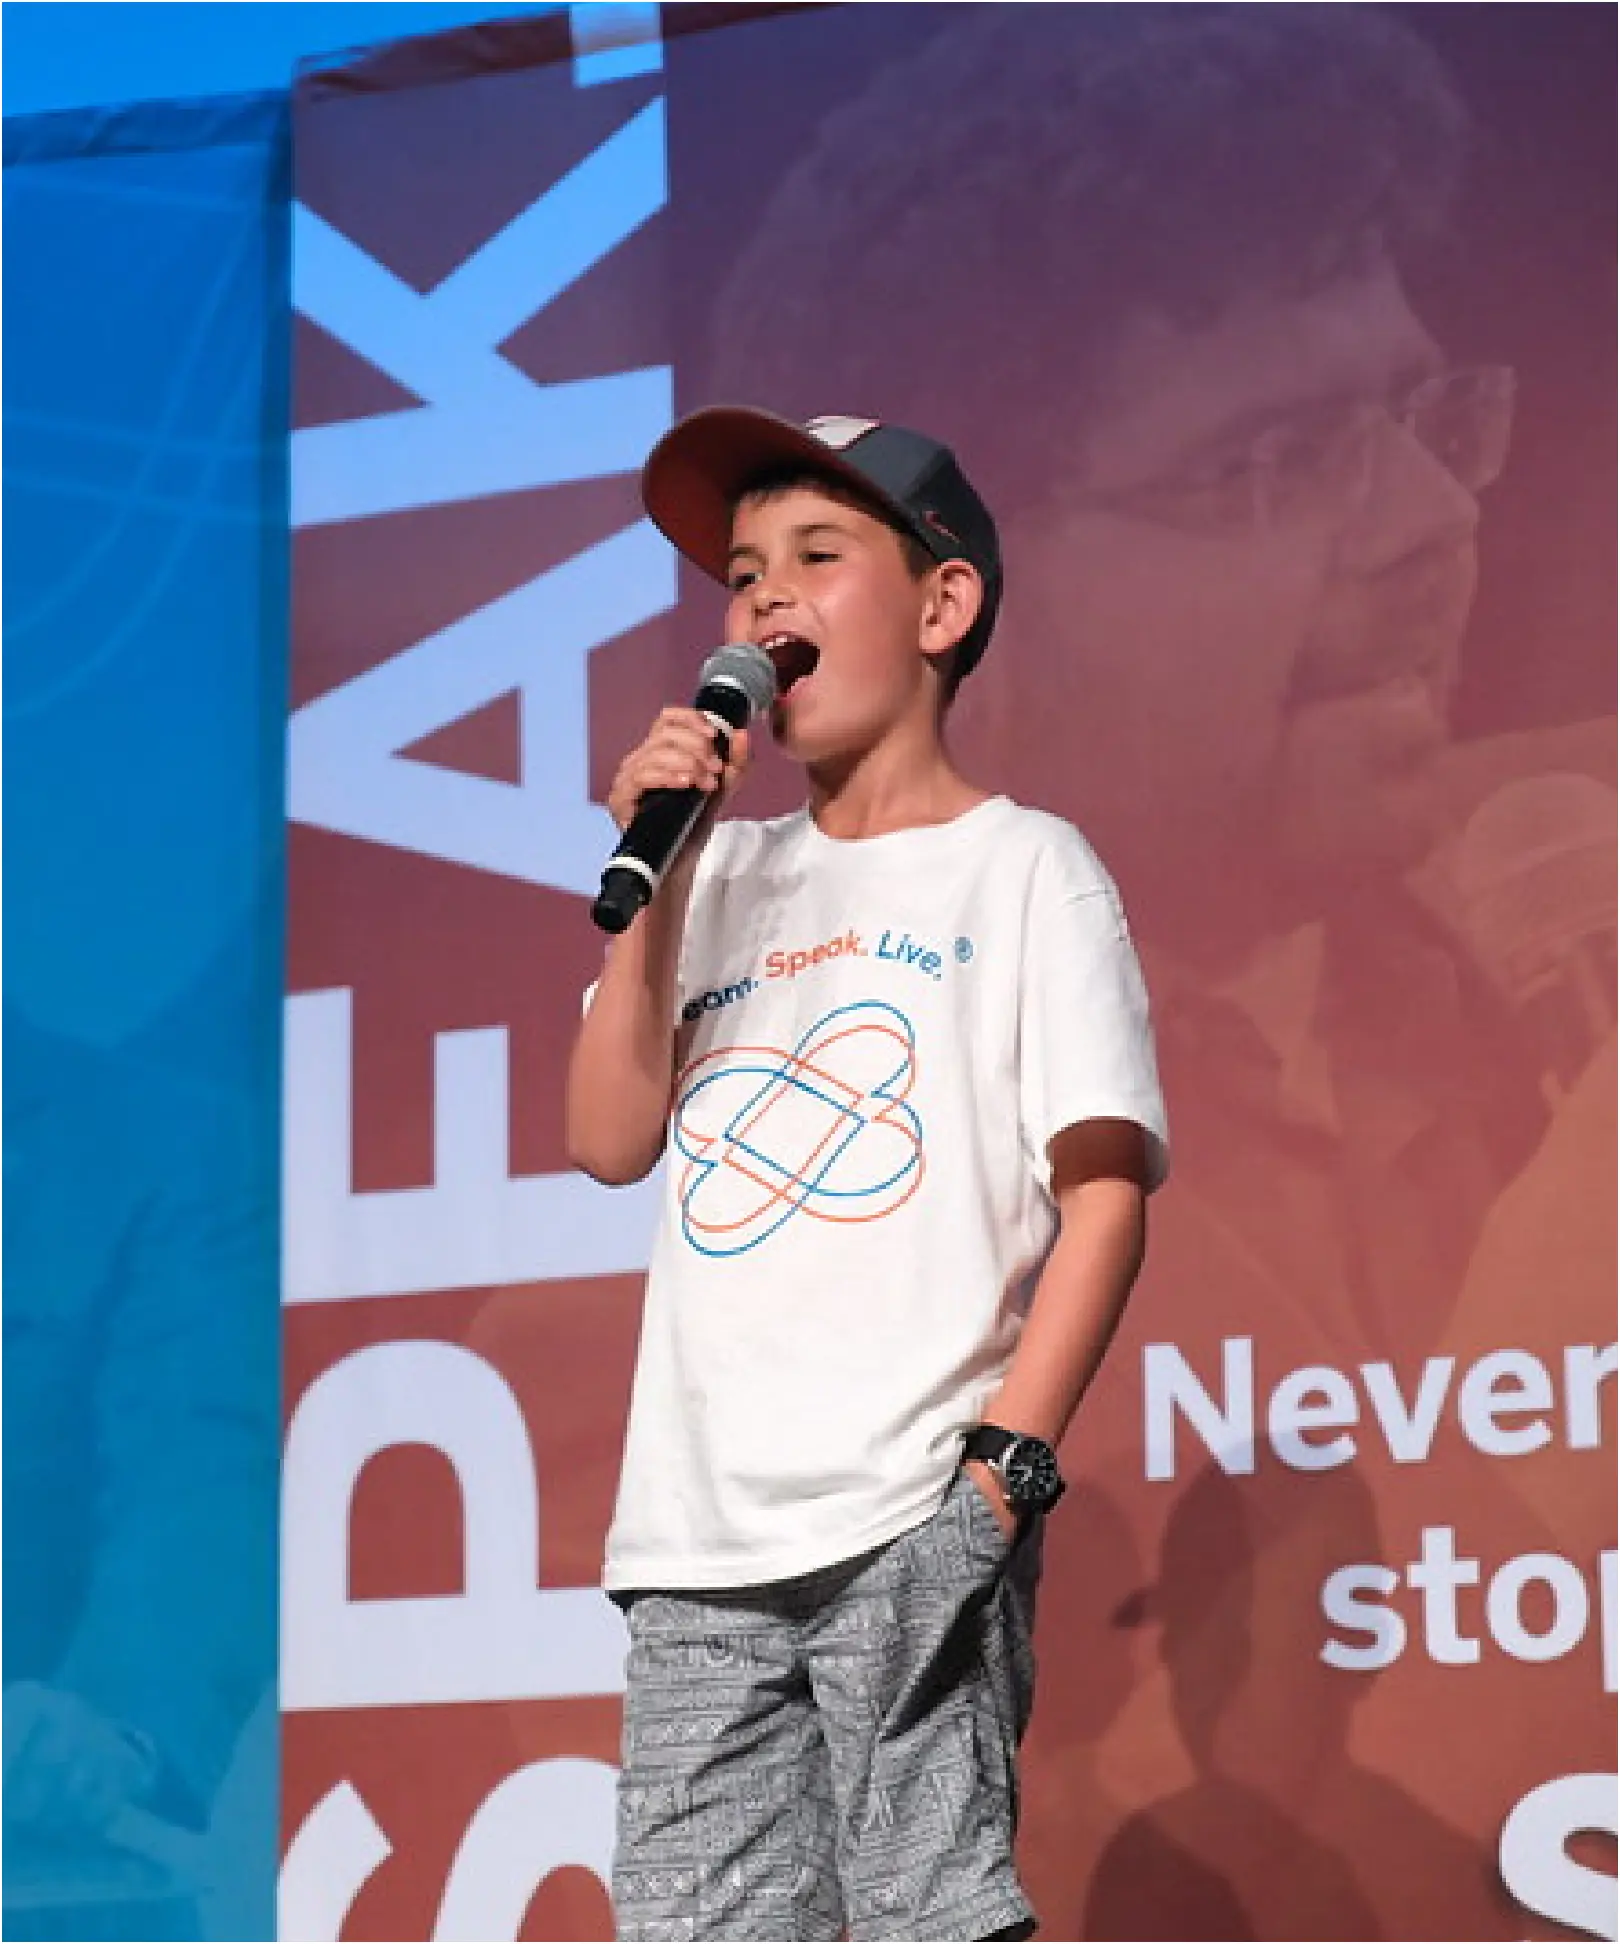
622 1070
1099 1169
623 1063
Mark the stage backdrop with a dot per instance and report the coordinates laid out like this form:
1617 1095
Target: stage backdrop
145 663
1280 341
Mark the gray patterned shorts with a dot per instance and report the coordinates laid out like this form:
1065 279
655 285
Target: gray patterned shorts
834 1755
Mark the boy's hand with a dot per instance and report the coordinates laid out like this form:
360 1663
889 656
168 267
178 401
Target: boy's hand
985 1482
679 754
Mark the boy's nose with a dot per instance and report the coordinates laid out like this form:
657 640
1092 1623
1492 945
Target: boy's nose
769 595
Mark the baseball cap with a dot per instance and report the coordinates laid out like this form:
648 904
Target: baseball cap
699 469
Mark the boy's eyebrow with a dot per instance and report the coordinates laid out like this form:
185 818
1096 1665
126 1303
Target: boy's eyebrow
799 533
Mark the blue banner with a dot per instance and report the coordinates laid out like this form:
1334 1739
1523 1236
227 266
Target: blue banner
145 408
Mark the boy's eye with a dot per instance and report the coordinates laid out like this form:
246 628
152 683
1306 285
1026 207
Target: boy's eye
816 555
743 577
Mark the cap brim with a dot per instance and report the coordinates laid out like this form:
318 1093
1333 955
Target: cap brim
695 473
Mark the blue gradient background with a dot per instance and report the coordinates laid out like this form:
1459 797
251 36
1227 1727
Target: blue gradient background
145 651
58 54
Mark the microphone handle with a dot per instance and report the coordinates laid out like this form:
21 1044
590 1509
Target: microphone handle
663 821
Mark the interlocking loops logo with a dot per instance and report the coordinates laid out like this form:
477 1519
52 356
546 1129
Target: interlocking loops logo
822 1131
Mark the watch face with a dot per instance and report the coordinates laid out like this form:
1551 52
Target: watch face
1031 1471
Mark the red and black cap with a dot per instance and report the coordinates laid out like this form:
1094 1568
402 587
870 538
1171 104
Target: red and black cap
701 467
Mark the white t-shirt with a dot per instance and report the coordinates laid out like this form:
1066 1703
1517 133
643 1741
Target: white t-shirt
877 1041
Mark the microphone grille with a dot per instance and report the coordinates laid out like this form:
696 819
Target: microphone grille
745 667
1536 870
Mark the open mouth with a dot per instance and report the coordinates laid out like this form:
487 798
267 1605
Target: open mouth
1404 660
1405 634
792 657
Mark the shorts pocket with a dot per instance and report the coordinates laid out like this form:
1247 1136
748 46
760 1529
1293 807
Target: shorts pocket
985 1536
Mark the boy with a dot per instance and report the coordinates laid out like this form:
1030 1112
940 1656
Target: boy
899 1043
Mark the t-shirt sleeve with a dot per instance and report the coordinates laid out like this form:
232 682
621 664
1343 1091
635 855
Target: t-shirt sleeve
1085 1038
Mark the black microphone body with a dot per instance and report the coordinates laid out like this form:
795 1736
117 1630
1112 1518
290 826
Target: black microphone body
737 683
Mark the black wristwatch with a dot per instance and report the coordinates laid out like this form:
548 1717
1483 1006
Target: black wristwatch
1025 1467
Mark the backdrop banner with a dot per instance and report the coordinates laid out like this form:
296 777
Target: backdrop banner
1280 342
145 662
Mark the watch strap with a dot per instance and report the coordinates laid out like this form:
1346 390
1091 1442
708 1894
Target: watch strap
988 1442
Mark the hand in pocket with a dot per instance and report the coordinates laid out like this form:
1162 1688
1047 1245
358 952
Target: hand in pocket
988 1486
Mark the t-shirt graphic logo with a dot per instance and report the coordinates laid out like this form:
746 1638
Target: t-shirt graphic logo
823 1130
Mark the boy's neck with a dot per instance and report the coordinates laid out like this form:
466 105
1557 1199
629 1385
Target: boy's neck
888 789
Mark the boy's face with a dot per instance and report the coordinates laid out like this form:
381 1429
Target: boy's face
805 563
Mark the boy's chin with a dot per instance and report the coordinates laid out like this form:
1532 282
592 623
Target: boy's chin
788 732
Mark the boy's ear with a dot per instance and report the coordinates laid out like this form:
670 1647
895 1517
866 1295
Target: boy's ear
953 606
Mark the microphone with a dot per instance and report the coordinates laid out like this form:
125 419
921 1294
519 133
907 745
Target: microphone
1535 869
736 684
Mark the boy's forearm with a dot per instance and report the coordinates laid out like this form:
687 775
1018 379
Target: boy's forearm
1076 1309
622 1067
